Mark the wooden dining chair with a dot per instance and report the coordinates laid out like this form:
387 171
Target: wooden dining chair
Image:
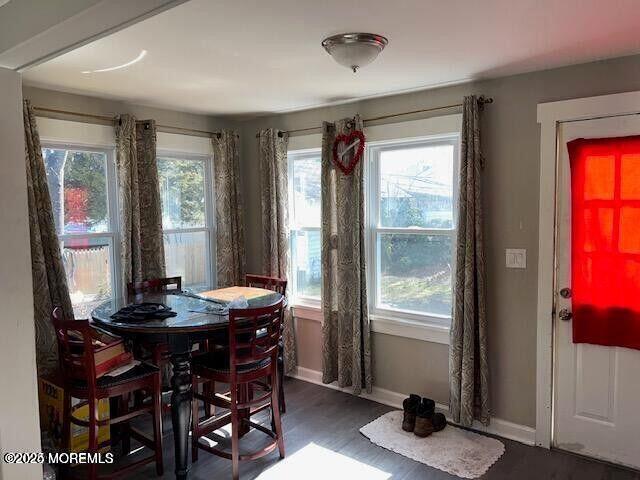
155 285
77 368
277 285
159 351
250 362
270 283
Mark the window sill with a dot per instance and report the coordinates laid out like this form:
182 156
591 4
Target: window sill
307 311
427 332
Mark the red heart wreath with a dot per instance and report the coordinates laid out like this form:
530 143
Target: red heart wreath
355 158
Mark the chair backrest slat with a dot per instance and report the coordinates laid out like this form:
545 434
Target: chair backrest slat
155 285
254 334
269 283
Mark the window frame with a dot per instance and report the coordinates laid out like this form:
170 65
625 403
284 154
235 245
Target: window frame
373 181
113 212
209 209
294 228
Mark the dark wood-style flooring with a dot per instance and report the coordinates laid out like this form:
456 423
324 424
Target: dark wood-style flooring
332 419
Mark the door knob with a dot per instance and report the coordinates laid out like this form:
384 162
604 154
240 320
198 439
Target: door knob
565 315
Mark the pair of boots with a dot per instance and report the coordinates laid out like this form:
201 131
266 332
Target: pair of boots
420 417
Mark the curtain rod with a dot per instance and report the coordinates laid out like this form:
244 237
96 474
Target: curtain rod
106 118
482 100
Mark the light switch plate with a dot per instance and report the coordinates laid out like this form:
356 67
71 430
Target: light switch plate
516 258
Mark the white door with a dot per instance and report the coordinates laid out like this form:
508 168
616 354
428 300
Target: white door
596 388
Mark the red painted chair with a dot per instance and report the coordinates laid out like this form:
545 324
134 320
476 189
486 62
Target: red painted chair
77 367
277 285
251 358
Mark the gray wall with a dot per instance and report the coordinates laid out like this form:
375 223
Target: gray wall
100 106
19 424
511 179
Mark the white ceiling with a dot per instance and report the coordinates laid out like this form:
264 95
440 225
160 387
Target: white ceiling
248 57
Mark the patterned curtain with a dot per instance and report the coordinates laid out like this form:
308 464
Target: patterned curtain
141 244
272 153
346 343
229 210
49 279
468 357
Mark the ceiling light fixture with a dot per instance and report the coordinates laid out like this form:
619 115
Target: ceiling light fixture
354 50
142 54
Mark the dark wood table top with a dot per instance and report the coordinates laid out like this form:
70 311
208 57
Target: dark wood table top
193 314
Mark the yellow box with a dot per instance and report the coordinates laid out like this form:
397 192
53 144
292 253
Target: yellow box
51 395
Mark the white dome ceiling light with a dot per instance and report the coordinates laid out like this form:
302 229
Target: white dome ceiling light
354 50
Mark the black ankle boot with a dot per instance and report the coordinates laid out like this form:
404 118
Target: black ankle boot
424 418
410 406
439 422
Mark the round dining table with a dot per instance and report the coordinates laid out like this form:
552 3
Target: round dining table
196 319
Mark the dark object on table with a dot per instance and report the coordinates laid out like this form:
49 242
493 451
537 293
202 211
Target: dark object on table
139 312
77 365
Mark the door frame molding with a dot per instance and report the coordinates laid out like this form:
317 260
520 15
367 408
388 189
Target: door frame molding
550 116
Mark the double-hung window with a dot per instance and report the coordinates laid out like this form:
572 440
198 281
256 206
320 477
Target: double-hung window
304 220
187 217
412 227
410 213
82 187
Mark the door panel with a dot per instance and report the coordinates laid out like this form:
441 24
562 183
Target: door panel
596 388
595 400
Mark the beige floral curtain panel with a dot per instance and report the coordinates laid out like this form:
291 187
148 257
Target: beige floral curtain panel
272 154
468 357
49 279
346 343
141 244
229 210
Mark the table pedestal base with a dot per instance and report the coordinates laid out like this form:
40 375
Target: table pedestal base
181 399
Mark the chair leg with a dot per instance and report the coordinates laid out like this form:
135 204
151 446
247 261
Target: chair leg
195 423
93 436
66 431
157 425
235 434
275 412
212 408
283 405
209 388
125 430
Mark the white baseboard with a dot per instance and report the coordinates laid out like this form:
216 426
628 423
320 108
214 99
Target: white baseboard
499 427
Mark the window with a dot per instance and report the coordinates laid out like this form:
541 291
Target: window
304 220
187 218
412 227
410 207
81 184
